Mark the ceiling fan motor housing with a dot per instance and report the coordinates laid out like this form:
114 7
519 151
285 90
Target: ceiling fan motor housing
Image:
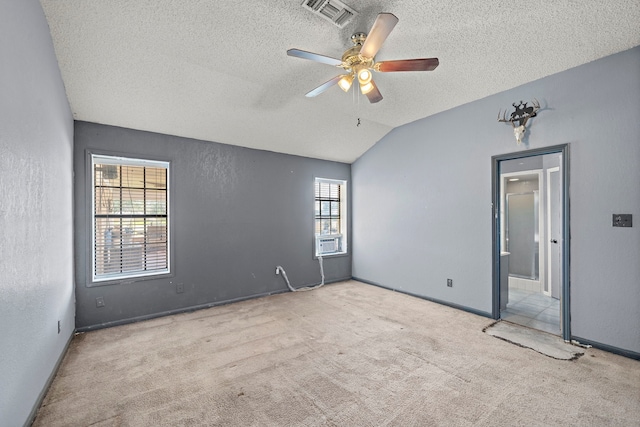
352 60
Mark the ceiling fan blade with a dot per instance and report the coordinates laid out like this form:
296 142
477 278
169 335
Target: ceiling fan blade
317 91
314 57
424 64
379 32
374 94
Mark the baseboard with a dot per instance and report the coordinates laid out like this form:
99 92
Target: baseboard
609 348
326 282
174 311
190 308
47 384
437 301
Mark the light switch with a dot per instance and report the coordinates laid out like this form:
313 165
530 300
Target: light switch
622 220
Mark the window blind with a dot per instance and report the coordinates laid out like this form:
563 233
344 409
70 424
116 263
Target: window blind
327 207
130 218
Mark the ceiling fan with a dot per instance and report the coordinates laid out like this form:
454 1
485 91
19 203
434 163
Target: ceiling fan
359 61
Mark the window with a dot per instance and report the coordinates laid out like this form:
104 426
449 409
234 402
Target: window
330 216
130 217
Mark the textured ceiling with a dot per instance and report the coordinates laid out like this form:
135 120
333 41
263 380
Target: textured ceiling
218 70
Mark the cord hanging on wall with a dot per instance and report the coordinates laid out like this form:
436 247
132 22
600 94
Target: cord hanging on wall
279 269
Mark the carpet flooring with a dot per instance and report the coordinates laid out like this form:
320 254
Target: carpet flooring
347 354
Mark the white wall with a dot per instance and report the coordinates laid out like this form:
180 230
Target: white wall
422 197
36 257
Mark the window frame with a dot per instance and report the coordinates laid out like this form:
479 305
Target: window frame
124 160
343 218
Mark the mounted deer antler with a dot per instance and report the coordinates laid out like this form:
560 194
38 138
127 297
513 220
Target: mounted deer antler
522 114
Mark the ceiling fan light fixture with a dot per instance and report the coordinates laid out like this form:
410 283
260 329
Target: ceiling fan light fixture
345 82
367 87
364 76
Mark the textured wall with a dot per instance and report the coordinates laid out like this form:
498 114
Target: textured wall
422 196
36 264
237 214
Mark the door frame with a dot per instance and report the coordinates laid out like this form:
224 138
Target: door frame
496 231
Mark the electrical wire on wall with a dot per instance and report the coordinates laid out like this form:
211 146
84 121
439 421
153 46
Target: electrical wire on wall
307 288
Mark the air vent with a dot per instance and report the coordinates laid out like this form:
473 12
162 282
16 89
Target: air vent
332 10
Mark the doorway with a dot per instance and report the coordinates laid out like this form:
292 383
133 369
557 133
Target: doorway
530 239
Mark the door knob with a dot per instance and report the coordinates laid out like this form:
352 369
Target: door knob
554 241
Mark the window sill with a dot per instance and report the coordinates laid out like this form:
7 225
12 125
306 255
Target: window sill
128 280
331 255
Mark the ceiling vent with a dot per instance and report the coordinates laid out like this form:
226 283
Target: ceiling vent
332 10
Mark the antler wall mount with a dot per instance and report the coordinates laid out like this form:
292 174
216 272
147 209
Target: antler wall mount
359 60
523 112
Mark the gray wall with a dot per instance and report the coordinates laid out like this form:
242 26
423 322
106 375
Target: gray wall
237 213
36 264
422 197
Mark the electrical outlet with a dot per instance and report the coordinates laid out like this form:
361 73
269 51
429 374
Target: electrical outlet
450 283
100 302
179 288
59 328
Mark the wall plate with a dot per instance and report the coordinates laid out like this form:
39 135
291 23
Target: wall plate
622 220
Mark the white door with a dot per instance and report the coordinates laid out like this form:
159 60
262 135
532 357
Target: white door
554 206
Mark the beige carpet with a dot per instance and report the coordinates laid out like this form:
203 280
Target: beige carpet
348 354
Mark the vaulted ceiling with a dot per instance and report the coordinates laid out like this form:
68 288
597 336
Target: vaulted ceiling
218 70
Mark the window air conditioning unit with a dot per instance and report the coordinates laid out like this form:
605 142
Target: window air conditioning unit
328 244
